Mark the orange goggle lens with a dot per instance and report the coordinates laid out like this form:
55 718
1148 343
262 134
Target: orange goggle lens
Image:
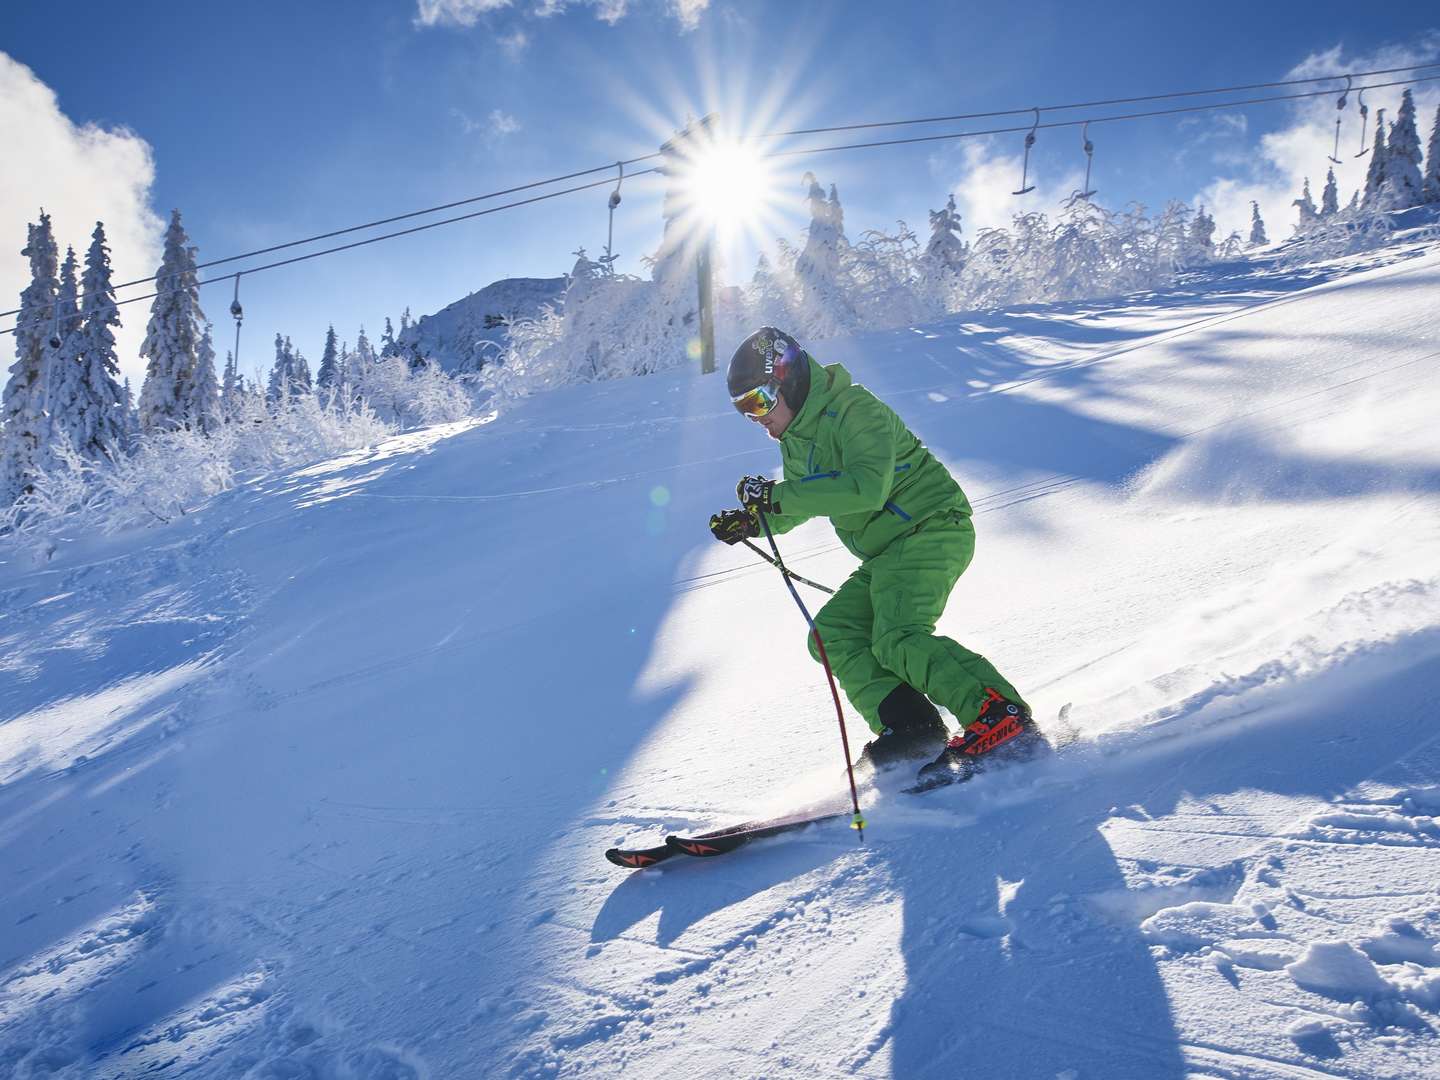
756 403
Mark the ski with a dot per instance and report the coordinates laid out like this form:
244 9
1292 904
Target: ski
722 841
639 858
704 847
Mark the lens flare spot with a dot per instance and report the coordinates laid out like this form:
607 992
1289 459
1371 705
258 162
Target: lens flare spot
660 495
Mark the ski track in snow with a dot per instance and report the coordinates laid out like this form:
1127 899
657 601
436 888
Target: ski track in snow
315 781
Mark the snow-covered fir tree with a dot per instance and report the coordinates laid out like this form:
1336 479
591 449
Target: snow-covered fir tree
1402 163
1373 195
1257 226
387 339
1202 236
360 361
300 381
945 253
825 309
1306 205
231 387
281 372
203 410
1432 162
172 338
88 403
1330 197
329 375
63 368
24 452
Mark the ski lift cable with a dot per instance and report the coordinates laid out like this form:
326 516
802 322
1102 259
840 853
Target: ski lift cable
772 135
1081 122
387 221
386 236
1093 104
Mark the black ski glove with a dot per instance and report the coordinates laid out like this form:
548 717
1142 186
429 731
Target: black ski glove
732 526
754 492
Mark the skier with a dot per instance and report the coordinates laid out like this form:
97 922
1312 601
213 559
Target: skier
847 456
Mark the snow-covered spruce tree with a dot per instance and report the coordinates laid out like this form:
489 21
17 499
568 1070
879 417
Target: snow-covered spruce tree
329 374
300 383
1402 163
89 404
1330 198
64 366
132 414
203 412
1202 236
944 258
172 338
281 372
1432 162
232 385
1374 195
360 362
387 339
824 309
24 452
1306 205
1257 223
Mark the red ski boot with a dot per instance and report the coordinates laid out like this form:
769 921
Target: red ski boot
1002 725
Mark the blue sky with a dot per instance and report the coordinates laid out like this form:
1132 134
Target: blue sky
268 121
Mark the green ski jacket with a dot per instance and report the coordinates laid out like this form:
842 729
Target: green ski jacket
848 457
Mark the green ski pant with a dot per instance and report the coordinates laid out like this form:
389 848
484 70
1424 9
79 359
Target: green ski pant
879 627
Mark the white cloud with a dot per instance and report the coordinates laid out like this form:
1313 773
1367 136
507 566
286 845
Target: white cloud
984 194
1272 173
466 13
80 175
455 12
688 12
502 124
514 44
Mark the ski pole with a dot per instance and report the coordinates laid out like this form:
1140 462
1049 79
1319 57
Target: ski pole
857 822
787 571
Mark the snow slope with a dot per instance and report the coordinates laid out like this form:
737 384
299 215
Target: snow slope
315 782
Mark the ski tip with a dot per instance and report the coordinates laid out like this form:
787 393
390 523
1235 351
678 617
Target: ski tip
632 860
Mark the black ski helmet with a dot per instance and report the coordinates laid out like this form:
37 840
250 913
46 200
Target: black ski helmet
770 356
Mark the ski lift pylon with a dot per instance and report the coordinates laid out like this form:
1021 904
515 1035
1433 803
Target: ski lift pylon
1025 163
1086 191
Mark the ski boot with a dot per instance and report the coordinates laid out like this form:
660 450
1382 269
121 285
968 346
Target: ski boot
913 729
1003 731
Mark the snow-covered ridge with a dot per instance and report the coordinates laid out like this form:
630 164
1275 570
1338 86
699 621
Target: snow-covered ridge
465 335
315 779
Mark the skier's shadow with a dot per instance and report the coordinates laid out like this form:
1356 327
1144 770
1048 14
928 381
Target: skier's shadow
1020 949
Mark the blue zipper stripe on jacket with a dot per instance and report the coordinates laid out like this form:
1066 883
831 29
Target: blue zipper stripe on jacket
821 476
896 510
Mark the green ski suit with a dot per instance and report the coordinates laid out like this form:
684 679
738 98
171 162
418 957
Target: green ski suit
895 506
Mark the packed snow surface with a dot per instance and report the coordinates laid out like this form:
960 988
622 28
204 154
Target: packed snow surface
316 781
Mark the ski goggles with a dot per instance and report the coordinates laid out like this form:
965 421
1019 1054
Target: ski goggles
756 403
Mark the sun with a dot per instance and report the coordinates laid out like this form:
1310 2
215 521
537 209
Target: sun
730 185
